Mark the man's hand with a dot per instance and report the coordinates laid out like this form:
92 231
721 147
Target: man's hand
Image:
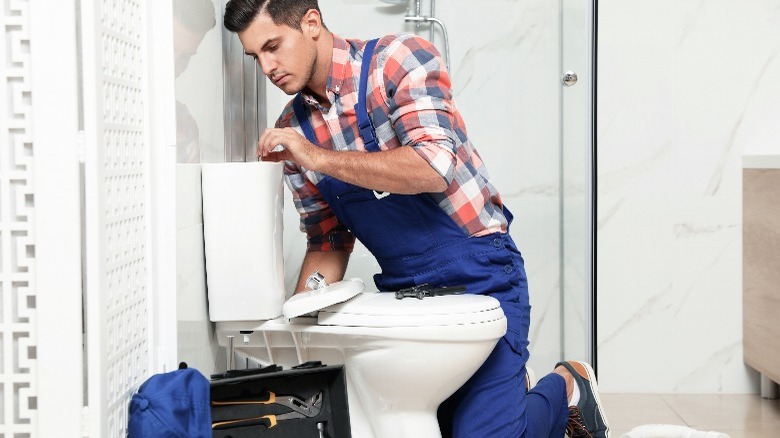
332 265
296 148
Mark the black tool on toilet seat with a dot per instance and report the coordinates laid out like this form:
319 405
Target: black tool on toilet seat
425 290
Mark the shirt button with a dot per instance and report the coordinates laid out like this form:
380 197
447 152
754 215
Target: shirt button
497 242
508 269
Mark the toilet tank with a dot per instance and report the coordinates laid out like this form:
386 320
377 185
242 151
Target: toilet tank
242 229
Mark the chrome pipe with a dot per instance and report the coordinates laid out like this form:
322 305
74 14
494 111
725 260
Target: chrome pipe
420 19
432 13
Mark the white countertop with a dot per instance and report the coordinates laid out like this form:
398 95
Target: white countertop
761 161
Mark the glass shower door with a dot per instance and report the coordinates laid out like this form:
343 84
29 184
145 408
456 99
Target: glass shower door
578 24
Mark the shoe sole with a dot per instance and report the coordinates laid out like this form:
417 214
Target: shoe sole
594 387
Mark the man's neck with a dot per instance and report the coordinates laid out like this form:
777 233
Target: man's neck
319 81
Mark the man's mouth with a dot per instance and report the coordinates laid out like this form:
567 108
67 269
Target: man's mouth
278 79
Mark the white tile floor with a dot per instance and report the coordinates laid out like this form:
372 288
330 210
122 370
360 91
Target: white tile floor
739 416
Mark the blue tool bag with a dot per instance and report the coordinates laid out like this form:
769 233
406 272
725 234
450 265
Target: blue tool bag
174 404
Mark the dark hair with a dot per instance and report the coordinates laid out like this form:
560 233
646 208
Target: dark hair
239 14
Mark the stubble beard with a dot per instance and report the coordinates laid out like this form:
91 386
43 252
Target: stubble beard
308 77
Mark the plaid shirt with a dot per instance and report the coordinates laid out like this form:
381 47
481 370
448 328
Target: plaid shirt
410 103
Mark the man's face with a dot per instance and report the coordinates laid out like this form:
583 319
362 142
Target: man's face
185 45
286 55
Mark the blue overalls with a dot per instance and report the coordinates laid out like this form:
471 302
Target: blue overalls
416 242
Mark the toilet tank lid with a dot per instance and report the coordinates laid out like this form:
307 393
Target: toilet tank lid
379 309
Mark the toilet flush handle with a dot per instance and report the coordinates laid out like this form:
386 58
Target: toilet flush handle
316 281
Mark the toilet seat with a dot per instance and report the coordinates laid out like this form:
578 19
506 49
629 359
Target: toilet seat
381 309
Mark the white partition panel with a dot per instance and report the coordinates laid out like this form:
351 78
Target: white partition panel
57 218
118 174
18 337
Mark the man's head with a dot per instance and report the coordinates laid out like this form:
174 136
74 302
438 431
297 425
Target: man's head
192 19
281 35
239 14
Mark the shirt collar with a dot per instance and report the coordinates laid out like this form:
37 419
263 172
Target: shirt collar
338 69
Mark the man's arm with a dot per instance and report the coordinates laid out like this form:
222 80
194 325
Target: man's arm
331 264
400 170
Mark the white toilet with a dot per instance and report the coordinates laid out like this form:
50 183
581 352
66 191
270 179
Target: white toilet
402 357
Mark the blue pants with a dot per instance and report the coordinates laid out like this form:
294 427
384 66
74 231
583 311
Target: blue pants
493 403
498 406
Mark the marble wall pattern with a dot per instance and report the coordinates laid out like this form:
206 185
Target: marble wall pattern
684 88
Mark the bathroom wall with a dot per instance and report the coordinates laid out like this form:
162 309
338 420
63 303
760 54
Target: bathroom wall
684 87
505 76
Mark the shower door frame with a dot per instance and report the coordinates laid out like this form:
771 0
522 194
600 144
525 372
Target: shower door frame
578 211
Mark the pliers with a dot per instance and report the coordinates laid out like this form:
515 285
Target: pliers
425 290
300 409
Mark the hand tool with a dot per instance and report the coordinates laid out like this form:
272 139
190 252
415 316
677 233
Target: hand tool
268 421
425 290
301 409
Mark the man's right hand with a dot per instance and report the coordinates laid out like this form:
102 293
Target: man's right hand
295 148
331 264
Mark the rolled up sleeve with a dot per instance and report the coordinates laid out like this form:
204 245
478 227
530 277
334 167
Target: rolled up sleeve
419 100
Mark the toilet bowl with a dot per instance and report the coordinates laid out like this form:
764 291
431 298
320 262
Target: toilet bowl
402 357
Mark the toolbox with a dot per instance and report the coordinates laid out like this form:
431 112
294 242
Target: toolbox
302 402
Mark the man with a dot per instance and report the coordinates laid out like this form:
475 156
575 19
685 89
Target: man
375 148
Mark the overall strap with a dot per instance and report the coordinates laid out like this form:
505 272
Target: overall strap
303 119
364 121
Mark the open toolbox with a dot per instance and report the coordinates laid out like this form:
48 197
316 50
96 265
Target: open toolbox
306 401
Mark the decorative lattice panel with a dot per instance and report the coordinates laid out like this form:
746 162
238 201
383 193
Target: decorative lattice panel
121 160
18 399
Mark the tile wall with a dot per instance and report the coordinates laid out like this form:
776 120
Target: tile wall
684 88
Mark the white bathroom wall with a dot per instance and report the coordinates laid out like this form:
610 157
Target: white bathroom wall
506 81
684 87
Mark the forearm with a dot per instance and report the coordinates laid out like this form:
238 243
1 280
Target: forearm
400 170
331 264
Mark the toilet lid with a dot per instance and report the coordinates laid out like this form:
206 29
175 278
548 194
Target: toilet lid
379 309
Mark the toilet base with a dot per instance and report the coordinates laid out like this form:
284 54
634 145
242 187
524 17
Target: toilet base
417 424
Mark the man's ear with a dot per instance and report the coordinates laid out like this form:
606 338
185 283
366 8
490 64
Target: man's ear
311 23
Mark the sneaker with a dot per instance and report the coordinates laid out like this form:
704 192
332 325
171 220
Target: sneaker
587 419
530 378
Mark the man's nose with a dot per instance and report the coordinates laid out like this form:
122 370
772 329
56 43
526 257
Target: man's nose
267 64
